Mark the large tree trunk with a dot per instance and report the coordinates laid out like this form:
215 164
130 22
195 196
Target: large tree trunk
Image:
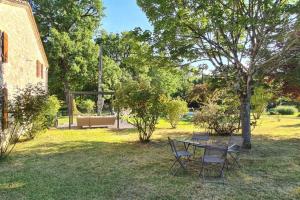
246 116
100 101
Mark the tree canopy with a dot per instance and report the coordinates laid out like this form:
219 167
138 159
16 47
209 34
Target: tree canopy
67 30
240 37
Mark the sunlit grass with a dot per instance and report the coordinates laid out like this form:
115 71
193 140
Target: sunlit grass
106 164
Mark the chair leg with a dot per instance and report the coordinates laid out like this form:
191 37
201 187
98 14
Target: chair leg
222 170
194 152
173 165
179 161
201 174
235 159
227 164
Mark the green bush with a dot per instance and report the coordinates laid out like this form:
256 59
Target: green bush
145 104
87 106
272 111
286 110
29 109
221 113
175 109
51 109
259 102
75 109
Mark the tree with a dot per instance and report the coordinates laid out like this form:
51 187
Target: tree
145 104
288 75
230 34
175 109
146 77
132 52
67 29
112 74
220 113
100 100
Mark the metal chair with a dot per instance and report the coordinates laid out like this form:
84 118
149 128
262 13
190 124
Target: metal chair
214 155
234 148
181 157
198 137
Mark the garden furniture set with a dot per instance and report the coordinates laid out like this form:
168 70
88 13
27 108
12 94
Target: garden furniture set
216 152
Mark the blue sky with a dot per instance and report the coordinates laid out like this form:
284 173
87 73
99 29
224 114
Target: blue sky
123 15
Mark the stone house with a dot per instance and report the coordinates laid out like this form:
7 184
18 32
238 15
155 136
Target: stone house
23 59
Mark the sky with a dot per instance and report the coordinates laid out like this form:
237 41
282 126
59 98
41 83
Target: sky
123 15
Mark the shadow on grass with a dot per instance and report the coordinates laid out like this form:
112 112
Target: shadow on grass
124 131
81 170
290 126
130 170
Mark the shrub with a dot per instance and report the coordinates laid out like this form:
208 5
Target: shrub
286 110
144 103
87 106
9 138
75 109
221 114
272 111
259 102
29 107
51 109
175 109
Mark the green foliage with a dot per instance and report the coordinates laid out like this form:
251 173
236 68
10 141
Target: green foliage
130 55
272 111
145 104
221 113
198 93
50 110
67 29
237 37
27 109
144 75
259 101
87 106
112 74
286 110
75 108
175 109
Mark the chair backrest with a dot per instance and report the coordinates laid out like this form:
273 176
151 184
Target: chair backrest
173 146
236 141
200 136
215 151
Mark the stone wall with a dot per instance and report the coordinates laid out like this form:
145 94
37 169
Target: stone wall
23 48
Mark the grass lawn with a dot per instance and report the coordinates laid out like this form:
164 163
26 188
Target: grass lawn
104 164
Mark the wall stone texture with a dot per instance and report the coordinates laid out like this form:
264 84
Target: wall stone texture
23 48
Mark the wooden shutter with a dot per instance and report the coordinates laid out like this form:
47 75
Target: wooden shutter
1 47
4 109
42 71
38 69
5 47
